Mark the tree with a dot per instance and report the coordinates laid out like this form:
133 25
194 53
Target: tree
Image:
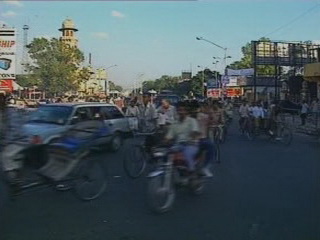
247 60
27 80
114 87
56 66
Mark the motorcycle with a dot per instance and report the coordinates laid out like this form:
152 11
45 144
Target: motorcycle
171 173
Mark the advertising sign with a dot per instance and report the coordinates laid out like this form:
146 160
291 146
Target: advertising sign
234 92
240 72
213 93
6 85
8 48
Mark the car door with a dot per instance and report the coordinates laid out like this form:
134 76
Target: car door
104 134
115 119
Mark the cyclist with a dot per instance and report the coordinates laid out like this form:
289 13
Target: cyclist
204 142
185 132
229 110
216 117
244 112
258 114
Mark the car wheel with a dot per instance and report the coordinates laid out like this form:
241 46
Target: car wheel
116 142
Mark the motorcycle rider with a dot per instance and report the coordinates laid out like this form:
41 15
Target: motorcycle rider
185 132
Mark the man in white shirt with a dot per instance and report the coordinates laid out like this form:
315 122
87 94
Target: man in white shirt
185 132
133 113
244 112
167 112
147 115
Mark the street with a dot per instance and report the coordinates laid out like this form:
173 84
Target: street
261 190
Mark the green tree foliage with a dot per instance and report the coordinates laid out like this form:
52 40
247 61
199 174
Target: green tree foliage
165 82
114 87
27 80
247 60
175 84
56 66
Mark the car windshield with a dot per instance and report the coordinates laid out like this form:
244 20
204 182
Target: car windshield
51 114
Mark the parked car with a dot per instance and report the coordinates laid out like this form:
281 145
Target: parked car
50 121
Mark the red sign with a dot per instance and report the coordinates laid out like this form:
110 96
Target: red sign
234 92
6 85
6 43
213 93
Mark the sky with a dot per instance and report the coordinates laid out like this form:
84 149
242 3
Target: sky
148 39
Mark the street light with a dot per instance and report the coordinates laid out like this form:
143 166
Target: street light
112 66
202 82
223 48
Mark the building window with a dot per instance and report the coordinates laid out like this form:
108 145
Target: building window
67 33
71 33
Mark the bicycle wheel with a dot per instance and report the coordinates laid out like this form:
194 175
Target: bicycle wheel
90 180
135 161
285 135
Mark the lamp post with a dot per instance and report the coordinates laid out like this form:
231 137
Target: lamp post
215 70
202 80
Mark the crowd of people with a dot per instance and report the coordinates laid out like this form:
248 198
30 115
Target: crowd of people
186 124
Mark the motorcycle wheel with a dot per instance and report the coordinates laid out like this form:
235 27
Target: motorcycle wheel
160 197
90 180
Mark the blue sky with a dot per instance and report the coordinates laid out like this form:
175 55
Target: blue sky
157 38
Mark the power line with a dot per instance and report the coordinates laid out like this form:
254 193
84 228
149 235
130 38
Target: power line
294 20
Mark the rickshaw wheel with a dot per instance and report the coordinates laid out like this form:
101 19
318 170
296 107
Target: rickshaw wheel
90 182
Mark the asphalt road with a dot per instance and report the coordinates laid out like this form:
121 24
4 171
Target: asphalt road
260 191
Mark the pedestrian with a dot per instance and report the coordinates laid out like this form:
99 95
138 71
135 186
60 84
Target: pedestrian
148 115
315 109
304 112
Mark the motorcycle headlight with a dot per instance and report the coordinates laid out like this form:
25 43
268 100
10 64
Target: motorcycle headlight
36 139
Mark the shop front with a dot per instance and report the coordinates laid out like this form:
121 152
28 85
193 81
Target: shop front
312 74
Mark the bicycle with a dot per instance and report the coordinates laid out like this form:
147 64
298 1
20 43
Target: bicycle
215 136
247 128
135 161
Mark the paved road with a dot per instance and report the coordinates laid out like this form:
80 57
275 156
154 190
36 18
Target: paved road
261 191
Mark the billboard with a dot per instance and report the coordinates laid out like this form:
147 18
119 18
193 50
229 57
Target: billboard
213 93
285 53
240 72
8 47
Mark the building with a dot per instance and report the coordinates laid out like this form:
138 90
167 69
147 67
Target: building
312 74
69 33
